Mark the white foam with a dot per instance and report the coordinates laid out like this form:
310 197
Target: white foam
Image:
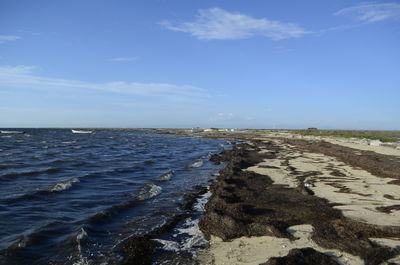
70 142
165 176
81 235
191 238
201 202
149 191
63 185
169 245
81 259
197 163
196 237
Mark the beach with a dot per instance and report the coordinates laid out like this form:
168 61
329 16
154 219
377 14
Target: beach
285 199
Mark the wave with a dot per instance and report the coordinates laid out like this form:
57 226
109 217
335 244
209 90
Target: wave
20 243
197 163
166 176
201 202
149 191
188 238
4 166
195 238
64 185
81 259
35 236
37 194
101 217
169 245
30 173
68 142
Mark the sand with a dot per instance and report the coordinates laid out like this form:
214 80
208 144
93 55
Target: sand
256 250
358 194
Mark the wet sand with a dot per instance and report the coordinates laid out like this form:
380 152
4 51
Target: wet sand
282 200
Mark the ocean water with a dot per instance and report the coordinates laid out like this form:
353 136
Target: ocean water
74 198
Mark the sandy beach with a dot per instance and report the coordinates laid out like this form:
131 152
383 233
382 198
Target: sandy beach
284 199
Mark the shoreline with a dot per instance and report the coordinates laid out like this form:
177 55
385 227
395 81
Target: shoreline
268 194
284 200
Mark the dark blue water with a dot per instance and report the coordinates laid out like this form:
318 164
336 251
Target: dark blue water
73 198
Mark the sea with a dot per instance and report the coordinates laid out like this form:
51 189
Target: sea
69 198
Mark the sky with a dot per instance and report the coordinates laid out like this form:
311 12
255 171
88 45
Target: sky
332 64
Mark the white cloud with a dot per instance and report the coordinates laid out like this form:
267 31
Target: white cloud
372 12
218 24
5 38
24 76
123 59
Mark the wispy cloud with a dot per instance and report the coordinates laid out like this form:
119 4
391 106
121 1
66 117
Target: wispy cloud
29 32
25 77
219 24
5 38
221 116
123 59
370 12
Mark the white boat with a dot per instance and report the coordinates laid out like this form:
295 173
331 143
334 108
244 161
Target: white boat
12 131
81 131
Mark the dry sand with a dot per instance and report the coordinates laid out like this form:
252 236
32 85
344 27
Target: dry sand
359 192
256 250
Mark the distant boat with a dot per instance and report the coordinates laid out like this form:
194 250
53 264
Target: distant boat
12 131
80 131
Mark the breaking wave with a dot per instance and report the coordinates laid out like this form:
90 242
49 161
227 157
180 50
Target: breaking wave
64 185
149 191
197 163
189 238
81 259
166 176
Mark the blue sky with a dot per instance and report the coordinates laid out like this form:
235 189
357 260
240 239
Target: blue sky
331 64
